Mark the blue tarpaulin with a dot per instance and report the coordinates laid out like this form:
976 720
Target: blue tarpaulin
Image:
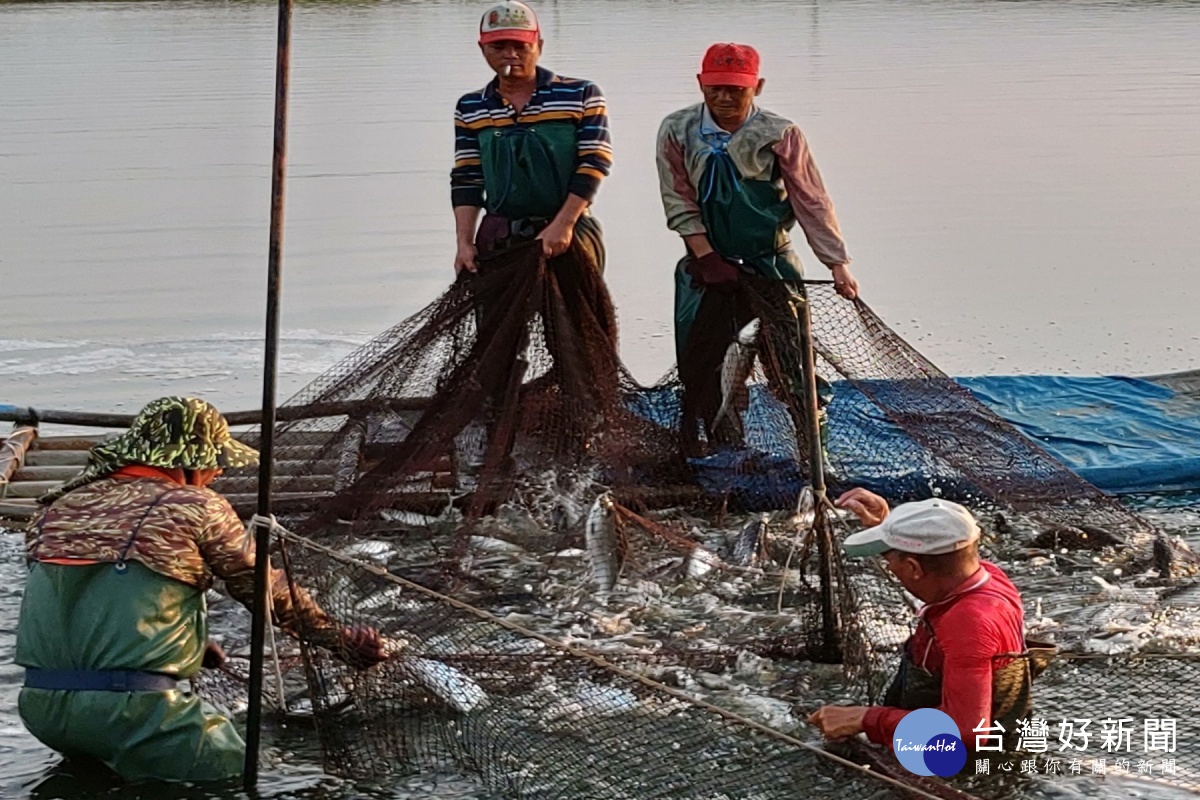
1122 435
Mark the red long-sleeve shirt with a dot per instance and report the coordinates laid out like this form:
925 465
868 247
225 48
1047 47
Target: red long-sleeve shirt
982 618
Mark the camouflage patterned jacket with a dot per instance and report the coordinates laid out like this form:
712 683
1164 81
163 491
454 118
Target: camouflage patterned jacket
187 533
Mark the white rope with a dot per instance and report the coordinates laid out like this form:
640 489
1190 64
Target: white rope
272 524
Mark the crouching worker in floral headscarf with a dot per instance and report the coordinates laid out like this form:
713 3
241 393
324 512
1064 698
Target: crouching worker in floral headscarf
114 613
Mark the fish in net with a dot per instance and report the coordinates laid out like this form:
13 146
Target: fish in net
493 449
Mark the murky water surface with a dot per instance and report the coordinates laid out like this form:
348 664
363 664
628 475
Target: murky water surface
1018 184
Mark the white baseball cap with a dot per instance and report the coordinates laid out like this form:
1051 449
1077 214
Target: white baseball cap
927 527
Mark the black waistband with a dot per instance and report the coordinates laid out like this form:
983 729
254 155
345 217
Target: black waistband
91 680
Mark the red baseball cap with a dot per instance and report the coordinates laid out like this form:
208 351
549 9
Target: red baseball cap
727 64
509 21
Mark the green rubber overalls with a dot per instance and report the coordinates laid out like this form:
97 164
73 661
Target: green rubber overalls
746 221
915 687
122 617
527 170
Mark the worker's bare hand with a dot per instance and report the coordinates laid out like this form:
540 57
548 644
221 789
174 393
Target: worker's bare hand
838 722
845 283
870 508
556 238
361 648
465 258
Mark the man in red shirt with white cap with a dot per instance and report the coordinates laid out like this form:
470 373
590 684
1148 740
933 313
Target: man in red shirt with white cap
734 179
963 657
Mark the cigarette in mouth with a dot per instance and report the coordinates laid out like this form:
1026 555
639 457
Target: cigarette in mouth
507 70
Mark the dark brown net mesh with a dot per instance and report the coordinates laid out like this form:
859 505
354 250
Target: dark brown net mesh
619 558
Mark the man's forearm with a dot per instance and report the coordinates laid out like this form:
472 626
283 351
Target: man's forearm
698 244
572 209
465 220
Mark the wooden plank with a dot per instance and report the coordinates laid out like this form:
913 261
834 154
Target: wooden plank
292 483
41 469
18 510
297 452
68 442
48 465
31 488
59 450
286 439
431 503
56 458
289 466
284 468
282 503
28 473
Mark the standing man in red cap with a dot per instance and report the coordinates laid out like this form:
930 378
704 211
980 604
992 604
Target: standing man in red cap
531 148
734 179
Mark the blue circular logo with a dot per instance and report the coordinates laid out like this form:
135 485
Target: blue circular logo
928 742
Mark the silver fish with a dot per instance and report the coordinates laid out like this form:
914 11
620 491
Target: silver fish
371 550
600 537
488 544
409 519
735 370
453 687
700 562
747 545
396 599
806 509
450 685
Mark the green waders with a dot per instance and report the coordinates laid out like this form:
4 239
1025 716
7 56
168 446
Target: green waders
527 168
106 617
915 687
746 221
527 172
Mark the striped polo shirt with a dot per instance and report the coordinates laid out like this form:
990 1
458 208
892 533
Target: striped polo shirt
556 98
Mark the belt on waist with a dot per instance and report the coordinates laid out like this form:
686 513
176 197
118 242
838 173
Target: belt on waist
98 680
530 226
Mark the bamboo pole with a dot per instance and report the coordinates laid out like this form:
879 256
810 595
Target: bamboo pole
831 640
12 453
262 533
94 419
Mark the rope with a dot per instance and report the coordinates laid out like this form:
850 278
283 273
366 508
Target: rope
275 528
606 665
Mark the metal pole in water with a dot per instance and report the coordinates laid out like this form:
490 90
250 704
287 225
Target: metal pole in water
816 471
262 533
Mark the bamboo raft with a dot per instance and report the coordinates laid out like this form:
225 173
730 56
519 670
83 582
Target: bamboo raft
32 464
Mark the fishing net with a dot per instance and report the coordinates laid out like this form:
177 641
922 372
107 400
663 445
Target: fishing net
595 588
562 699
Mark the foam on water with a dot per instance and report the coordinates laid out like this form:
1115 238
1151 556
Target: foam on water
224 367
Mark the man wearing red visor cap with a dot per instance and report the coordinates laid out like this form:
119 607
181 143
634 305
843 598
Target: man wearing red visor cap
530 148
734 179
